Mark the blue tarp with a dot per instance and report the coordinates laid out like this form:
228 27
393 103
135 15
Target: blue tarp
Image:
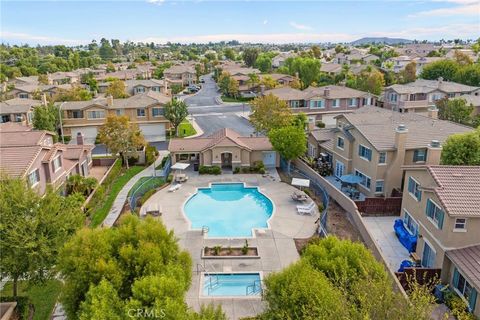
406 239
405 264
351 179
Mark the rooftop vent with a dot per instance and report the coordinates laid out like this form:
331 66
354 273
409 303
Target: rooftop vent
435 144
402 127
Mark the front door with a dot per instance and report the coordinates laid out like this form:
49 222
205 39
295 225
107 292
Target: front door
226 160
428 257
339 169
269 159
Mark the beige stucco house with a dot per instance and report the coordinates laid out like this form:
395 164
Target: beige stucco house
375 143
19 110
441 205
183 74
225 148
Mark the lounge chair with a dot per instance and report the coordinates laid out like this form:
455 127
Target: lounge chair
299 196
308 209
174 187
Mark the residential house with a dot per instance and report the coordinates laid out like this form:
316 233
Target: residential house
58 78
19 110
183 74
225 148
468 52
416 49
33 91
146 110
281 79
323 104
241 75
331 68
279 59
441 205
21 81
374 144
354 58
33 155
399 63
421 94
141 86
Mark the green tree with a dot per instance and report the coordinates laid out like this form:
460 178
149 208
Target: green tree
409 74
250 56
300 120
229 53
316 51
137 265
46 117
176 111
176 88
369 80
468 74
253 80
269 112
33 229
289 141
308 69
443 68
116 89
121 136
76 93
456 110
268 82
264 62
106 51
158 73
462 149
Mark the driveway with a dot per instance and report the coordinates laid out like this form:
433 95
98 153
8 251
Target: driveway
207 95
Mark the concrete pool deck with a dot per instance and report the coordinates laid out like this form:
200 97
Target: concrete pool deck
276 246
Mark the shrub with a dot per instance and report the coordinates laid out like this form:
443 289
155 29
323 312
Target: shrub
169 178
216 170
216 250
132 160
236 170
245 169
150 154
457 306
320 124
245 247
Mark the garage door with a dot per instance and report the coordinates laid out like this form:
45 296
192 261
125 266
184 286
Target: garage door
153 132
89 134
269 159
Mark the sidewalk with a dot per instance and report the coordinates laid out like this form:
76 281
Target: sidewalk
123 194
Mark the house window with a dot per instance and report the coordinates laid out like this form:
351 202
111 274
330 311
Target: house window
419 155
157 112
23 95
77 114
367 101
460 224
382 158
414 189
141 112
96 114
336 103
140 89
465 289
119 112
366 181
295 103
352 102
57 163
18 117
429 255
34 178
340 143
364 152
156 89
317 104
379 186
393 97
435 213
410 223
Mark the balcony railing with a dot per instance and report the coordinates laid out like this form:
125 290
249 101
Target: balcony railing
414 104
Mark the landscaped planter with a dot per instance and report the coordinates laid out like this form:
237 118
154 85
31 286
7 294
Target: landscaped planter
230 253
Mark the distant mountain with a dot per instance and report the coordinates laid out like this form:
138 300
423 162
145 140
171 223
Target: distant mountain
383 40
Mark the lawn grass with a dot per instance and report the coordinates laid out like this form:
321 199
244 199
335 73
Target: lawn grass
185 129
43 296
99 215
238 99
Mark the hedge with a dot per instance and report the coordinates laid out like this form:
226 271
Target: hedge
216 170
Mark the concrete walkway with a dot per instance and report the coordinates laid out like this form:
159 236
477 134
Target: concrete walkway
119 202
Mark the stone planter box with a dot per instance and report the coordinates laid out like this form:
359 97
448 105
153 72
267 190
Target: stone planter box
230 253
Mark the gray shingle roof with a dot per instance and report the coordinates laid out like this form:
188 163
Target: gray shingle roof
468 261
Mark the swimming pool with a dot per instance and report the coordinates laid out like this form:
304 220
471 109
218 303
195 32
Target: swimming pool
229 210
231 284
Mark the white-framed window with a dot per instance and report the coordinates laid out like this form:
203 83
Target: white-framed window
420 155
18 117
156 89
366 180
379 184
57 163
340 143
295 103
393 97
23 95
414 189
140 89
311 150
367 101
365 153
434 213
99 114
410 223
460 224
77 114
157 112
141 112
119 112
33 178
336 103
317 104
352 102
382 158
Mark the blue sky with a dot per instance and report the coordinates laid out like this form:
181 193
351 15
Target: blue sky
74 22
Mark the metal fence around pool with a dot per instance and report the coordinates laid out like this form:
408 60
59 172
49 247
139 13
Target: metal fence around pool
317 190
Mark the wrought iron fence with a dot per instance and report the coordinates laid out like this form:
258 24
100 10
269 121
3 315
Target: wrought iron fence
315 187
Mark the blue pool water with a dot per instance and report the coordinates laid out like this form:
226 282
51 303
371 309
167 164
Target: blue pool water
228 210
235 284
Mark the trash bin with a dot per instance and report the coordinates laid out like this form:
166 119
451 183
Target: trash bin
195 167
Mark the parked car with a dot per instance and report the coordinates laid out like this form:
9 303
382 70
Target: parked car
202 80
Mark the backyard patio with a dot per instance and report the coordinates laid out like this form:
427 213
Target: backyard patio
352 192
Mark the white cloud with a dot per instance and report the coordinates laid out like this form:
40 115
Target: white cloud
30 38
300 26
157 2
265 22
464 8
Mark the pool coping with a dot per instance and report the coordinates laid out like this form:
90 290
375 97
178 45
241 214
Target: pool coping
253 234
256 297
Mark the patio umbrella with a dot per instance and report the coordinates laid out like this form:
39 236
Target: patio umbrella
179 166
350 179
301 183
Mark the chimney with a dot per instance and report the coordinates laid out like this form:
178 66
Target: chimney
434 151
326 92
44 99
394 174
80 140
110 101
433 112
401 137
165 86
440 82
